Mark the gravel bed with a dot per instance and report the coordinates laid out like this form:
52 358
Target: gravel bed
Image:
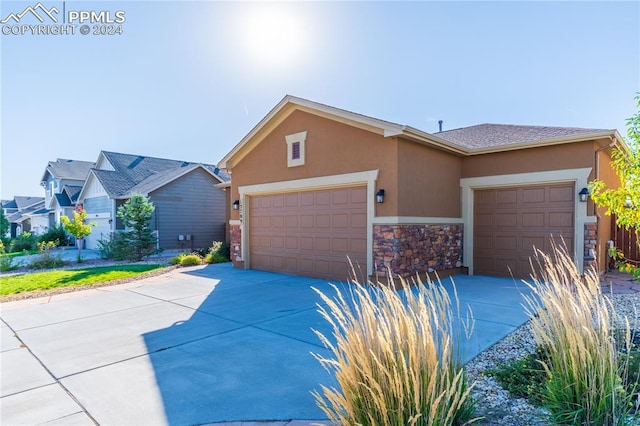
493 402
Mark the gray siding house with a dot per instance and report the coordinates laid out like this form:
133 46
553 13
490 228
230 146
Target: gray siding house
190 207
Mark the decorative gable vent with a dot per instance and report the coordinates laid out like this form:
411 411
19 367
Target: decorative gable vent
296 149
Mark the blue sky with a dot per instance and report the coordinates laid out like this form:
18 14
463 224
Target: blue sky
187 80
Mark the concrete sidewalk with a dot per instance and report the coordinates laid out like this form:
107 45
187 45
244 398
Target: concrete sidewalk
194 346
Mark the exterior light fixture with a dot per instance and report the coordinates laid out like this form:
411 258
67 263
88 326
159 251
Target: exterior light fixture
628 203
380 196
584 194
236 204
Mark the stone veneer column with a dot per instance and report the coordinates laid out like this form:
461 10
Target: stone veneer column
235 233
411 249
590 242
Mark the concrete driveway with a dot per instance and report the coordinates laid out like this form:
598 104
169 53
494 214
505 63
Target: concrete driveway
197 345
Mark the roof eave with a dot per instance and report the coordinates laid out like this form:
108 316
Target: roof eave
432 140
387 129
613 134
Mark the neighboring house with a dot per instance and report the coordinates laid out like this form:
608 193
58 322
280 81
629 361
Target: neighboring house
306 179
19 211
62 181
190 209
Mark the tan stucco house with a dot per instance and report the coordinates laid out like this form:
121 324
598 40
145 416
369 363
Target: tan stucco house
306 182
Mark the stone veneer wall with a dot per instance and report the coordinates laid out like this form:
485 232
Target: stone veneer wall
411 249
235 234
590 242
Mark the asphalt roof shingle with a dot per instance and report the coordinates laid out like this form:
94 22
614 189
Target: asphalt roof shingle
495 135
141 174
69 169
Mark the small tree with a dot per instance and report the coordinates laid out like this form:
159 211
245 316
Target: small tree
77 227
136 216
624 201
4 224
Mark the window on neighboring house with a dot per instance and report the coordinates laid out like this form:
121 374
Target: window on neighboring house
296 149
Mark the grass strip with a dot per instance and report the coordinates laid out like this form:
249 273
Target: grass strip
71 277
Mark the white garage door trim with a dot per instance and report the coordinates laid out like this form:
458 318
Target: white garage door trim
579 176
367 178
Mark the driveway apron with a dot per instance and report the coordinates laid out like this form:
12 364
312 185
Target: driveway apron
194 346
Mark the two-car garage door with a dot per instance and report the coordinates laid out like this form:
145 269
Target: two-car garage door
309 233
509 222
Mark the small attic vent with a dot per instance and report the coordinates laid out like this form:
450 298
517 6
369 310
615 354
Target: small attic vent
136 162
185 164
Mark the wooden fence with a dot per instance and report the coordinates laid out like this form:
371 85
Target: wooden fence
625 241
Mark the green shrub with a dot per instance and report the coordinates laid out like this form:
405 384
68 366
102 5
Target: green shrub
187 259
218 253
47 258
24 241
117 247
55 234
393 358
6 262
524 378
585 370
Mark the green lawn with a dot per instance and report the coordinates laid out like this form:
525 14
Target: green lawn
20 253
66 278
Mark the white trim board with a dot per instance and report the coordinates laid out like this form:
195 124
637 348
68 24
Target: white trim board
415 220
367 178
579 176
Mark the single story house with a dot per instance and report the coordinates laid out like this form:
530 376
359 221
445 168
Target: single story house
190 210
313 184
62 180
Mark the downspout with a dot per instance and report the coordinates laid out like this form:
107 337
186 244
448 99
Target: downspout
597 176
613 143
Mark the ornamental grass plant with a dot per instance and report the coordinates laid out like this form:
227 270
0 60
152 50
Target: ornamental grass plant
394 356
574 322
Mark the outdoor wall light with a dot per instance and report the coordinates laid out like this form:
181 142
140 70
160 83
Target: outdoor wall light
584 193
628 203
236 204
380 196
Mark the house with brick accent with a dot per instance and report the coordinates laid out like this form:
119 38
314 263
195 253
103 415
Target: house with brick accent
317 190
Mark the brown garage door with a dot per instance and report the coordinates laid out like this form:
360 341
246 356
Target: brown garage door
509 222
309 233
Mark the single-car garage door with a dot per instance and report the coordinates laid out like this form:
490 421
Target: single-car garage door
509 222
100 232
310 233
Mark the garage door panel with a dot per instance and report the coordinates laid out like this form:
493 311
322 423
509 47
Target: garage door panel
319 233
507 220
357 245
561 219
507 196
533 195
533 220
561 194
507 243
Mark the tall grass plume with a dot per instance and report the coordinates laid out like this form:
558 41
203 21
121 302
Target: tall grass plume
573 321
394 357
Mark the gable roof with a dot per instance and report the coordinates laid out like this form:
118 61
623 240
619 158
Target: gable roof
465 141
23 202
68 169
22 214
141 174
63 200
